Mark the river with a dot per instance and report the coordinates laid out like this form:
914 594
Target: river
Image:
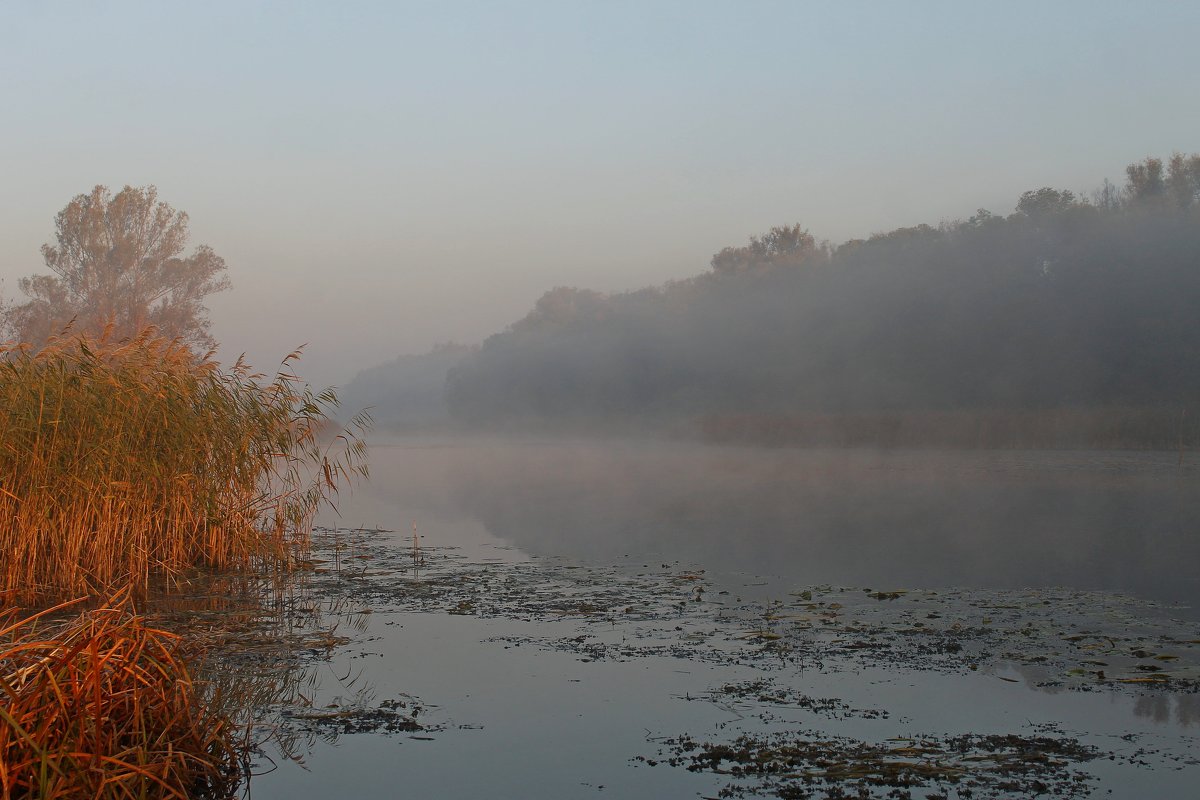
577 615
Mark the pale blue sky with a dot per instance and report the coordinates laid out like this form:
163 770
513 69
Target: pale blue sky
381 176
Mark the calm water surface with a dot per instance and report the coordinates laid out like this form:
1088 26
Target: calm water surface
1122 522
519 721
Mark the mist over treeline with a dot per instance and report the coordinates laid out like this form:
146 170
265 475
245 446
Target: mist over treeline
408 392
1068 303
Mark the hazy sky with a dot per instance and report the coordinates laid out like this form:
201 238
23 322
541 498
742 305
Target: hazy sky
383 176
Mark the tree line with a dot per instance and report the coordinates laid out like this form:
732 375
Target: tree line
1067 302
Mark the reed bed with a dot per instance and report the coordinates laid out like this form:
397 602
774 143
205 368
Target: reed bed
104 706
128 462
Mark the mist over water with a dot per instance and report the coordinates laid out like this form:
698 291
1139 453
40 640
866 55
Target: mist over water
559 538
748 379
1113 521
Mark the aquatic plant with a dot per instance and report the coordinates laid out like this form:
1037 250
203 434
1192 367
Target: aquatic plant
105 706
132 461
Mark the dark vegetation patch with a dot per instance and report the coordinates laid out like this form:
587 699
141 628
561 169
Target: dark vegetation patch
1052 638
391 716
274 639
768 692
825 766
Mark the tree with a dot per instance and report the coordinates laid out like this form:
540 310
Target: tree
782 245
118 261
1045 202
1144 181
1183 178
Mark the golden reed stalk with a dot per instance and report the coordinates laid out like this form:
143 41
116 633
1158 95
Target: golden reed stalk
122 462
104 706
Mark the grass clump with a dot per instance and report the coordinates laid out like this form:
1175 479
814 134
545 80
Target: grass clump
124 462
103 706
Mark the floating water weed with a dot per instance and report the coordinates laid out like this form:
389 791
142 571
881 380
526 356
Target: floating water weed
125 461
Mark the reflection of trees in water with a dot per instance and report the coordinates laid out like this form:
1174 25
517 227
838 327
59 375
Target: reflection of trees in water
1161 707
1107 521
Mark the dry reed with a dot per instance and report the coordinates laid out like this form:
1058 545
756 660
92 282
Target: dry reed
103 706
126 462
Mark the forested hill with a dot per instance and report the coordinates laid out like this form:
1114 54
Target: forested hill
408 393
1067 303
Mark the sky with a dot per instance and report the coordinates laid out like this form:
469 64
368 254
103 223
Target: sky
380 177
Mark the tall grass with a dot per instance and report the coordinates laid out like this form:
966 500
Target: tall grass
104 706
133 461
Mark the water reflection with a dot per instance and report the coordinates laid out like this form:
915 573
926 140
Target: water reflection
522 719
265 643
1120 522
1184 709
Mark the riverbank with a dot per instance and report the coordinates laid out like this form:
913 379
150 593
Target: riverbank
128 467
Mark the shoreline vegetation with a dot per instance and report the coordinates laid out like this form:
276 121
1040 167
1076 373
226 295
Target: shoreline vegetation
103 704
1068 323
128 466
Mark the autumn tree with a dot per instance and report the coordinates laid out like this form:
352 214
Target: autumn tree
788 245
1144 180
1046 202
118 260
1183 178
